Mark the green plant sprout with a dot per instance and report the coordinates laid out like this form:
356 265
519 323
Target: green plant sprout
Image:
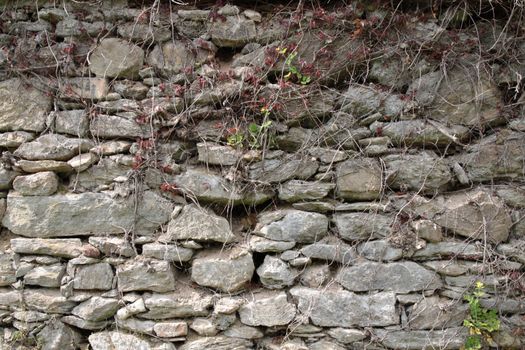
481 322
235 139
293 70
258 133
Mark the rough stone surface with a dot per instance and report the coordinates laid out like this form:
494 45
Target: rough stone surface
402 277
269 309
362 226
53 147
435 312
96 309
23 107
275 273
452 338
95 276
146 274
218 343
327 308
171 58
168 252
227 271
122 341
63 247
293 226
297 190
45 276
116 58
39 184
178 304
88 213
359 179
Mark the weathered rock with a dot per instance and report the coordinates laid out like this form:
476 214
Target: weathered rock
7 177
167 252
315 275
48 301
181 303
239 330
96 309
115 126
450 249
65 247
39 184
146 274
267 309
22 107
53 147
103 173
451 338
215 154
330 249
116 58
379 250
170 329
14 139
171 57
35 166
401 277
292 226
84 88
10 297
83 161
84 324
364 100
72 27
56 335
87 213
111 147
362 226
275 273
427 230
346 335
435 312
45 276
421 133
327 155
280 170
499 156
116 340
211 188
297 190
7 270
217 343
74 122
199 224
263 245
204 327
112 246
227 271
318 207
325 345
424 172
475 214
234 32
334 308
93 277
143 33
359 179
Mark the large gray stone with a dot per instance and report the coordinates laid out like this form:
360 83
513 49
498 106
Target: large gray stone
146 274
267 309
337 308
400 277
227 271
362 100
64 247
235 31
359 179
48 301
96 309
171 57
39 184
362 226
437 313
475 214
217 343
451 338
72 27
83 214
275 273
297 190
330 249
123 125
423 172
212 188
93 277
198 224
45 276
35 166
84 88
215 154
450 249
282 169
379 250
116 340
292 225
185 302
22 107
53 147
56 335
116 58
73 122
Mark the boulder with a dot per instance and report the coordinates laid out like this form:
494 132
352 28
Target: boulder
116 58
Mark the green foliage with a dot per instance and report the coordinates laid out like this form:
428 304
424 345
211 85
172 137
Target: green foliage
235 139
481 322
258 133
293 70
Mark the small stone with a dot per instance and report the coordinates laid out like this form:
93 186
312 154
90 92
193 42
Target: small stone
93 277
315 276
15 138
111 147
53 147
328 155
96 309
45 276
215 154
185 302
134 308
346 335
204 327
171 329
82 161
84 88
167 252
64 247
330 249
39 184
146 274
275 273
35 166
227 305
113 246
263 245
253 15
297 190
379 250
359 179
292 226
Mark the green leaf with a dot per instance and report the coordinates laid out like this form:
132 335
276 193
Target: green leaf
253 128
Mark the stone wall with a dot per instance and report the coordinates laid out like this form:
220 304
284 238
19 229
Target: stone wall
281 177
